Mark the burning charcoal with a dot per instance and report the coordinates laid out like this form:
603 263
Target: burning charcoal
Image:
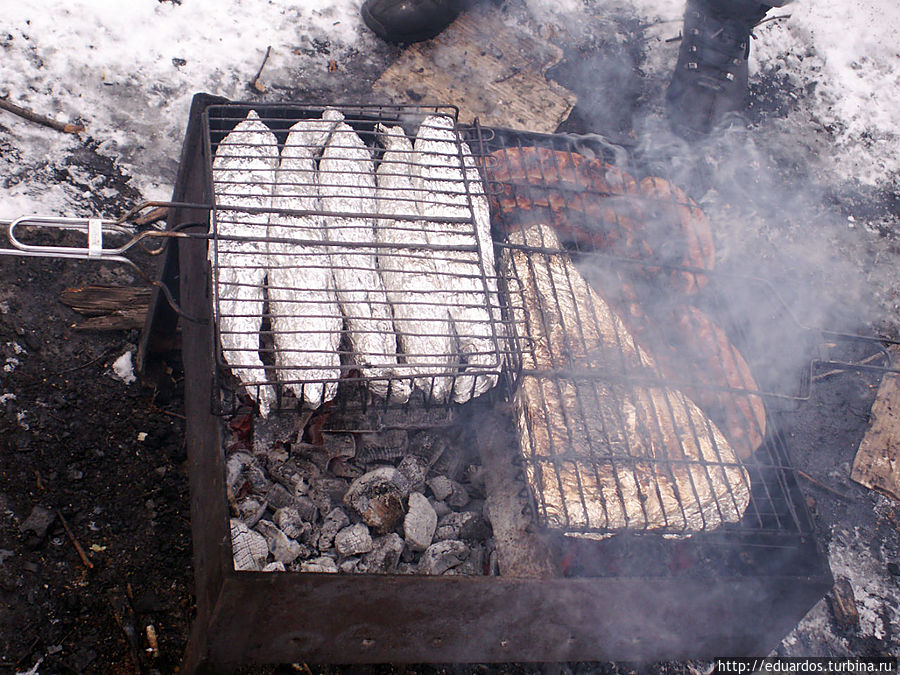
335 521
290 522
406 568
385 555
473 565
274 430
248 508
459 496
249 547
339 447
441 487
240 468
289 475
254 517
378 497
465 525
440 508
442 556
353 540
325 492
283 548
276 566
419 523
278 496
415 472
386 446
349 566
320 564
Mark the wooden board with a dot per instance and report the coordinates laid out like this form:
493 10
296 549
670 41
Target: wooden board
877 463
488 68
109 307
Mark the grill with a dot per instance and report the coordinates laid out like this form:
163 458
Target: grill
619 585
270 262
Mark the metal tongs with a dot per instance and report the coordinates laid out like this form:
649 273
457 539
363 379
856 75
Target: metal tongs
97 232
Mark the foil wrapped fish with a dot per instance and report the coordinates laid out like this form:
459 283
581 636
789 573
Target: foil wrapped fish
410 276
449 187
347 185
306 318
243 173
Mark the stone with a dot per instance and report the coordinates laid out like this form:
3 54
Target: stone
283 548
38 521
443 556
353 540
414 471
465 525
419 523
378 497
441 487
385 555
249 548
334 522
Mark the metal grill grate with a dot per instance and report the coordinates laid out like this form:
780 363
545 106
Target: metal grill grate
351 245
635 411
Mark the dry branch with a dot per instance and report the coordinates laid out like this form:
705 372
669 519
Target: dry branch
37 118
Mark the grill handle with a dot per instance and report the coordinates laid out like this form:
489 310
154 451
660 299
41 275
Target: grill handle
96 231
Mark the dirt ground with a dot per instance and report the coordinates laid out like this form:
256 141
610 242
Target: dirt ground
104 463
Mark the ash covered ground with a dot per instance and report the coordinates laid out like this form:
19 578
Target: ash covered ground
805 199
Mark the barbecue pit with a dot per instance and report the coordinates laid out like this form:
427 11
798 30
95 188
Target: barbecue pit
622 597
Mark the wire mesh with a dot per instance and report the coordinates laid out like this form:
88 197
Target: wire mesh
351 245
635 410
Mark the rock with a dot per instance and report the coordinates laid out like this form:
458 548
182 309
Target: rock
38 521
441 487
289 521
378 498
283 548
320 564
462 525
414 471
334 522
385 555
419 523
353 540
443 556
249 548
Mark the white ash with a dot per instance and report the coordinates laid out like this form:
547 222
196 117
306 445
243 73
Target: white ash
368 503
123 368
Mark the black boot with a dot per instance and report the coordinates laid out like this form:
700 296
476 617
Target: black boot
710 79
405 21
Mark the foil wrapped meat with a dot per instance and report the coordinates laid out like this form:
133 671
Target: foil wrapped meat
450 199
413 284
306 318
347 190
602 450
243 174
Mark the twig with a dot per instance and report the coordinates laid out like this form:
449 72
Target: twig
261 88
83 365
838 371
812 480
152 216
40 119
81 554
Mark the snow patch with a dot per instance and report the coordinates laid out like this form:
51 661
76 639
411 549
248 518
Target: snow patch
123 369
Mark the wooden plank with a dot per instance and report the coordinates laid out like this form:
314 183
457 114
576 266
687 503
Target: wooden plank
109 307
488 68
877 462
521 552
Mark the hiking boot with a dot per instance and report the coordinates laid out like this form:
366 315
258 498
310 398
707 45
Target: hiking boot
711 76
404 21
